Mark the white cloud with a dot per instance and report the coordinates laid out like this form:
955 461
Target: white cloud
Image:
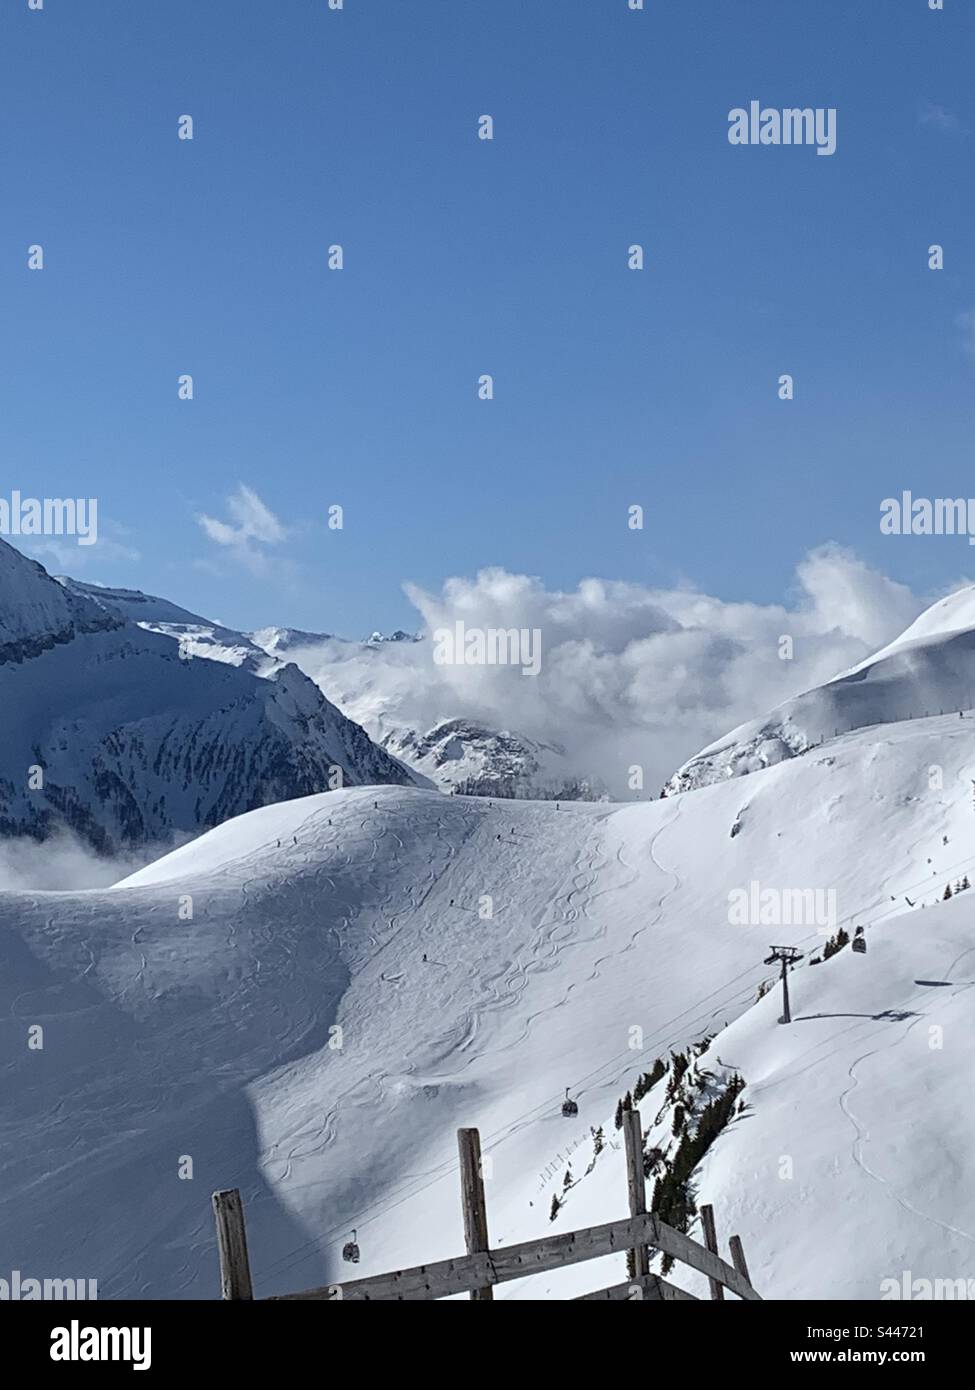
64 863
67 557
252 525
628 674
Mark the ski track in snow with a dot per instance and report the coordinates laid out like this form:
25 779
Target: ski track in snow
862 1134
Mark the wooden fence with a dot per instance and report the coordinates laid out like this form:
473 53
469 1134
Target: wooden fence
478 1271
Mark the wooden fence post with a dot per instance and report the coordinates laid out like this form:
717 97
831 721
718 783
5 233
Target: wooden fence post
235 1270
738 1258
636 1183
474 1202
711 1241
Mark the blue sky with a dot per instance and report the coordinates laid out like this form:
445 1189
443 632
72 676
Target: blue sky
315 387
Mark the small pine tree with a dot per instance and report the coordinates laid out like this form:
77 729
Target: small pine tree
836 943
555 1208
567 1180
678 1124
598 1144
947 893
618 1122
648 1080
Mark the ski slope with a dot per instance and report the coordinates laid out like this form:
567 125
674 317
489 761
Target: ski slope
189 1014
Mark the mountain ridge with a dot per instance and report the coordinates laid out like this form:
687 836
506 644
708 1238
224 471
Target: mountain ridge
122 732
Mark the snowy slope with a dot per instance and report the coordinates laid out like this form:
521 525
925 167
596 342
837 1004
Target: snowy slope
210 1037
136 737
864 1096
929 669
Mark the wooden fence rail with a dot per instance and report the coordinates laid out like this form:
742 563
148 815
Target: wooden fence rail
477 1272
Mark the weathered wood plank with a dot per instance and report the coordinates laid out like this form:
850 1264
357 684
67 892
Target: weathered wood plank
493 1266
636 1183
459 1275
235 1270
682 1248
650 1289
711 1241
738 1257
474 1202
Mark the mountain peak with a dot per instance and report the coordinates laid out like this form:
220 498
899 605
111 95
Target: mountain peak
36 612
928 670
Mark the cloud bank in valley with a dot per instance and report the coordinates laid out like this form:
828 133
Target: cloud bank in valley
65 863
629 674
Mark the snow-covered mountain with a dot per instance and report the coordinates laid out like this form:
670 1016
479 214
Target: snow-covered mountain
476 958
460 755
929 669
276 640
115 726
376 683
455 755
286 639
